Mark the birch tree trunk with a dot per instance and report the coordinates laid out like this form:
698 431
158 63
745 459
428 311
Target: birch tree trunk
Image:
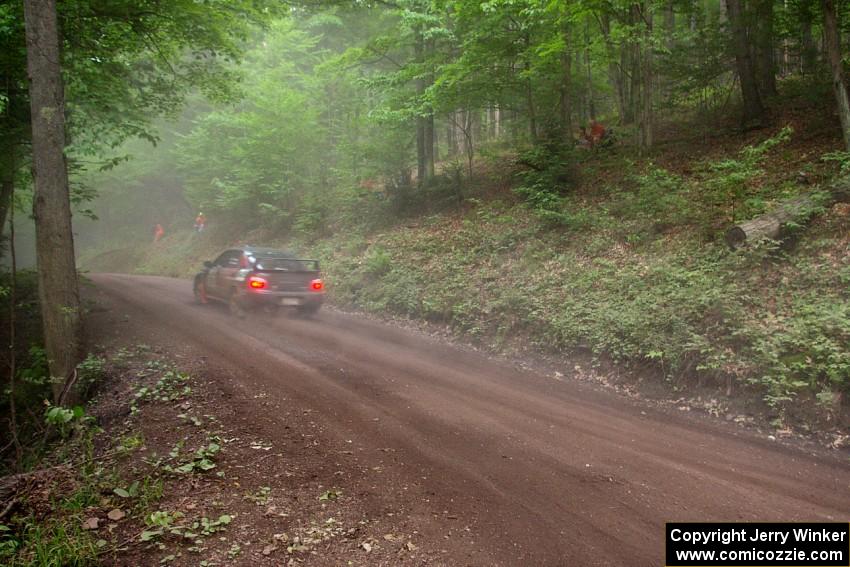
57 274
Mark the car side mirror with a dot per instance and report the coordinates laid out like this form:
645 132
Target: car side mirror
208 264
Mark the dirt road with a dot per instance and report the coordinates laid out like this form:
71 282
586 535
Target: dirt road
527 469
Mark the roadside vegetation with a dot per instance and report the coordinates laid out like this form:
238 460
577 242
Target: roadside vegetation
157 471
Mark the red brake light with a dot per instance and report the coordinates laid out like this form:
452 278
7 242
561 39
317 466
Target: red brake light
255 282
317 285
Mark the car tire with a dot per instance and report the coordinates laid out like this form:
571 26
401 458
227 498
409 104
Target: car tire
235 306
200 291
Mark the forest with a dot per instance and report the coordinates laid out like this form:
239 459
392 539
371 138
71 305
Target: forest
350 119
655 190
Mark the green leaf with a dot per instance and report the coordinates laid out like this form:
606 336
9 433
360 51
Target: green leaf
329 495
150 535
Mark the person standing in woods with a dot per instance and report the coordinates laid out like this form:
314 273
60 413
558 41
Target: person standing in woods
158 232
593 135
597 132
200 222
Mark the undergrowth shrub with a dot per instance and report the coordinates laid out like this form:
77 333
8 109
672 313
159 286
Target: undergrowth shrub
378 262
660 198
547 177
807 350
726 184
841 159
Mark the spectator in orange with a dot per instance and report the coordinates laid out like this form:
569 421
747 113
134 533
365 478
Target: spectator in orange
158 232
200 222
597 132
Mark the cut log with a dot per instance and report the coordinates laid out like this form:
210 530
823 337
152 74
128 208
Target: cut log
769 225
773 225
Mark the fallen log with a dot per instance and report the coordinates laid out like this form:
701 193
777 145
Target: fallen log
774 225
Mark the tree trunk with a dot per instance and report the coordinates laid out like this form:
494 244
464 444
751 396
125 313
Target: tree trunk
491 122
429 146
7 184
670 31
430 137
566 87
630 80
670 24
646 122
355 156
582 96
529 92
57 274
532 112
470 140
615 75
421 171
832 39
634 65
753 107
591 102
424 123
422 137
808 51
8 154
451 140
766 60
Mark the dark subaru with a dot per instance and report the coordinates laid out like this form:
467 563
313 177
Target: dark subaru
249 278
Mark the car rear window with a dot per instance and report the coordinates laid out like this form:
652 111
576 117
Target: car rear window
286 264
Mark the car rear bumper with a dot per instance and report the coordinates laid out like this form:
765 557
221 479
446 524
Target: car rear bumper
284 298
